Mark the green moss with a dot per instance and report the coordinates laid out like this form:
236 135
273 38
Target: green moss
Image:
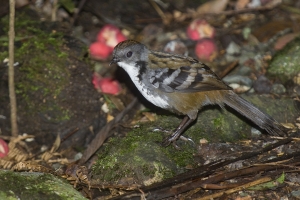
140 156
22 20
218 122
43 70
285 64
33 186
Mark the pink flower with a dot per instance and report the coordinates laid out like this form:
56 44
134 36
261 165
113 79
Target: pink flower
110 35
206 49
100 51
106 85
3 148
200 29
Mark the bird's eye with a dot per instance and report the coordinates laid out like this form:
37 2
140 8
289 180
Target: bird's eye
129 54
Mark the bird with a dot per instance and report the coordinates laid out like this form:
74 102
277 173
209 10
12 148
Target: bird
183 85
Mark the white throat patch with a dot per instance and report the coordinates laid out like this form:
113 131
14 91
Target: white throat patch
133 72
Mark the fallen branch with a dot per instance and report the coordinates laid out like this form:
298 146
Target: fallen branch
104 133
239 188
11 73
197 178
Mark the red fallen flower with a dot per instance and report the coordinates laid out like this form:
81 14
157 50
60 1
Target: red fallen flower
206 49
100 51
3 148
110 35
200 29
106 85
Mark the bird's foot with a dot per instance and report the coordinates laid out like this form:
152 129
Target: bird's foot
186 139
173 139
168 140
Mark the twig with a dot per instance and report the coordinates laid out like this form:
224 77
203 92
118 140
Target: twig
277 164
104 133
228 69
195 178
158 10
11 73
230 191
54 11
69 134
270 6
281 138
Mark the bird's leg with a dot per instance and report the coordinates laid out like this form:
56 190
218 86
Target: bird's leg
177 133
182 123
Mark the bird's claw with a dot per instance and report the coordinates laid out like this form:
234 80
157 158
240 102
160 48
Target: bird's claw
171 139
167 141
187 140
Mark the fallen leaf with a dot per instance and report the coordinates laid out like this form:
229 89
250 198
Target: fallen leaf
109 118
282 41
215 6
150 116
241 4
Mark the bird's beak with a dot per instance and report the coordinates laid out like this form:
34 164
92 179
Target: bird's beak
114 60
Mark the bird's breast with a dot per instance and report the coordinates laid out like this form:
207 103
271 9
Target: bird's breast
146 89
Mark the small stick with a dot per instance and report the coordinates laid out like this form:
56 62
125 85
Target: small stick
230 191
158 10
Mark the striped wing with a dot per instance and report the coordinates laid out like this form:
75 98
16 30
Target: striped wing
187 79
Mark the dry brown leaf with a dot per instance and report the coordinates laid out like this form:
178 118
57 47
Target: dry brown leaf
288 125
215 6
48 155
117 102
18 140
266 31
244 198
109 118
6 164
31 166
241 4
179 16
150 116
282 41
56 144
17 155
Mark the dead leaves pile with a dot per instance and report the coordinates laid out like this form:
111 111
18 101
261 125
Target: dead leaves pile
20 159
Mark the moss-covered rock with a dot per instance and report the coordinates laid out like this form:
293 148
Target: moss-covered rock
285 64
139 156
35 186
53 80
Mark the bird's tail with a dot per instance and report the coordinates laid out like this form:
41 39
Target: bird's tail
251 112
